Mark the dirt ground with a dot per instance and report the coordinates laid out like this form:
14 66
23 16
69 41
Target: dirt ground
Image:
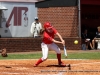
49 67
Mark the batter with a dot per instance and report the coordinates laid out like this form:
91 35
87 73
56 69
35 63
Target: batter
50 43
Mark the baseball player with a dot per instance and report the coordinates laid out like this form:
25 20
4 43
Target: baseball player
49 43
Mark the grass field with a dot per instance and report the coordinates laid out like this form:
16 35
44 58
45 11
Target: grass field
89 54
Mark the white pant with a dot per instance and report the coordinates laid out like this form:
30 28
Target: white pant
46 47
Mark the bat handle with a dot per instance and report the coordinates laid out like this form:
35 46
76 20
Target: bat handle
64 45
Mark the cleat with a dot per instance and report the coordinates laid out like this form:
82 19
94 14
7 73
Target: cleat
35 65
62 64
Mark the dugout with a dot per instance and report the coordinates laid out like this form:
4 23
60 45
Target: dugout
90 15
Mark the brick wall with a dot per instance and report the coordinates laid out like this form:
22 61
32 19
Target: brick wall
32 44
20 44
64 19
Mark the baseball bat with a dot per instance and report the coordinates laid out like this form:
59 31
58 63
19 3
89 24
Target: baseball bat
65 51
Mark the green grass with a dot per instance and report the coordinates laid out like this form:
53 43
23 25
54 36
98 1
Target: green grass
95 55
37 55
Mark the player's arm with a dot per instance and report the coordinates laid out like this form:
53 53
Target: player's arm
55 41
63 42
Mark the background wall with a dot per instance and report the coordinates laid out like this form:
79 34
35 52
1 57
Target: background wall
64 19
33 44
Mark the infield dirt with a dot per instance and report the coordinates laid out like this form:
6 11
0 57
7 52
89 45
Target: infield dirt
49 67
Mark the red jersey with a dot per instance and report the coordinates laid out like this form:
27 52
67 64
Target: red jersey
47 37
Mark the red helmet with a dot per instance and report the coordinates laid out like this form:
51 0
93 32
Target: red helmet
47 25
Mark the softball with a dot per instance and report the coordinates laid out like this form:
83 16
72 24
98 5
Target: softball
76 42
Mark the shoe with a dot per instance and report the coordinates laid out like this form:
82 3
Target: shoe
62 64
35 65
38 62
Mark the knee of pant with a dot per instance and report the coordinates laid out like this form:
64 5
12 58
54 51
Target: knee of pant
58 52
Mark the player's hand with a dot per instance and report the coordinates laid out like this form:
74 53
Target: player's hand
63 42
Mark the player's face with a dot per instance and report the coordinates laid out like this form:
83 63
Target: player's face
50 30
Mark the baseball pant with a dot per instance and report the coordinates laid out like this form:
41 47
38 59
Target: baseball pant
46 47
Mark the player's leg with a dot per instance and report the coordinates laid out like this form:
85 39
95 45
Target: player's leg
87 44
44 52
54 47
93 43
91 46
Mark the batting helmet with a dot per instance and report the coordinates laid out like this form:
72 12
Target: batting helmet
47 25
